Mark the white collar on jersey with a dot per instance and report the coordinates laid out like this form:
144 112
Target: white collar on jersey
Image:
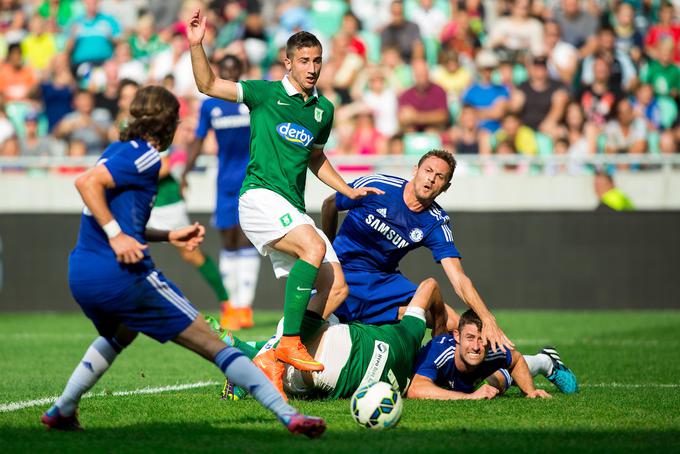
291 90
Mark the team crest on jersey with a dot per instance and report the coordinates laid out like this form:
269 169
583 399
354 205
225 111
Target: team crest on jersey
318 114
416 235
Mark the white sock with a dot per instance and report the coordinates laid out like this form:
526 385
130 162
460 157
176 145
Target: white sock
539 363
96 361
229 272
248 266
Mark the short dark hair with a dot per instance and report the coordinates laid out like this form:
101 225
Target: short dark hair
124 83
469 317
301 40
155 114
444 156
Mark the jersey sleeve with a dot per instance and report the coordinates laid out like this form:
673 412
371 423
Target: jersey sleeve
129 170
440 241
203 121
253 92
432 357
320 141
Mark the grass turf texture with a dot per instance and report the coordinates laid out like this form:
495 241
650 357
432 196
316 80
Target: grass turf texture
637 351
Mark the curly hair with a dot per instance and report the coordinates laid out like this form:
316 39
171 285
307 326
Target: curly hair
445 156
155 114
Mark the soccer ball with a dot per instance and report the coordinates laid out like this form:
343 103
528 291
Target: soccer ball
376 406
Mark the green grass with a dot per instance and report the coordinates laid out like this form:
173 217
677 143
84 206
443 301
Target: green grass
621 359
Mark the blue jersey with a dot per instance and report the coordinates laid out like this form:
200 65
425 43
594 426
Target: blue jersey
231 123
134 166
380 229
436 362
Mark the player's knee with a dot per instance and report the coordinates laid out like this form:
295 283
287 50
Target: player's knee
314 251
430 284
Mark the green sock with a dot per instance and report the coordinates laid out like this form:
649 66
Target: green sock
245 347
211 274
311 323
298 289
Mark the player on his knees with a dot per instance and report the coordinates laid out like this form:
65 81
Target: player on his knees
460 366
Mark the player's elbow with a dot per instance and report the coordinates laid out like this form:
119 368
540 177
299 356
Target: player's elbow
83 182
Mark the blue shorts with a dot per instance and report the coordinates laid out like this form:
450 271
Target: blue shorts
226 210
152 305
375 297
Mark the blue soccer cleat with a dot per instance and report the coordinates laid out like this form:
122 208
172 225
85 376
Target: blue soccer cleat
562 377
54 420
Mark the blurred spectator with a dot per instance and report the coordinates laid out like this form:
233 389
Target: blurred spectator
514 137
628 39
474 12
17 80
127 90
399 73
367 140
423 106
255 42
625 132
145 42
39 46
519 32
91 37
234 16
647 107
12 21
451 75
351 26
662 74
8 139
344 64
459 36
373 14
32 144
125 12
540 101
60 13
667 29
429 18
395 145
277 70
577 138
598 99
382 100
578 26
175 61
293 16
165 12
609 196
86 128
127 67
490 100
622 70
465 136
56 90
104 83
562 57
402 34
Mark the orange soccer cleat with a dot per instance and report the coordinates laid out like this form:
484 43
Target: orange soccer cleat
244 315
273 369
291 351
228 318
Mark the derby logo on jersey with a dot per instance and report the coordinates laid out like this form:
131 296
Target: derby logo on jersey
295 134
416 235
318 114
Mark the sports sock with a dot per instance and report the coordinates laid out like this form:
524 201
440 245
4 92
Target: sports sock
298 288
311 323
211 274
539 364
246 347
229 272
97 360
248 268
240 370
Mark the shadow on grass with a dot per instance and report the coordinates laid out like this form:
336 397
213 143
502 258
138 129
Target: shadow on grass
258 436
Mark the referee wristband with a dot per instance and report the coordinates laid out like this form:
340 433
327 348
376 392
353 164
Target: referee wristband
112 228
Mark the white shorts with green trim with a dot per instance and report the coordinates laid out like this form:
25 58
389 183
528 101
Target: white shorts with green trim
169 217
265 217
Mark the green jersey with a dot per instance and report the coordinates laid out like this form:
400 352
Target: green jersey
284 130
168 192
380 353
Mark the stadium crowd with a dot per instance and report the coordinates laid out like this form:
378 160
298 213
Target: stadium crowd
542 77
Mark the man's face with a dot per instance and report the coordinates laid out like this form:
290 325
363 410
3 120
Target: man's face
431 178
305 66
470 345
230 70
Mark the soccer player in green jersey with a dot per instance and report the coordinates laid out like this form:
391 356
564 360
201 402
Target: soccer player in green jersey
290 123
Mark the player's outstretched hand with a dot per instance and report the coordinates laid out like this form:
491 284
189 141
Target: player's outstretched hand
196 28
494 337
485 391
358 193
188 237
538 394
127 249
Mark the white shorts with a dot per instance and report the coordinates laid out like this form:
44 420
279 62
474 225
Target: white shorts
265 217
169 217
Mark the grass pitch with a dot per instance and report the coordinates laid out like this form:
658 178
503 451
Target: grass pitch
628 365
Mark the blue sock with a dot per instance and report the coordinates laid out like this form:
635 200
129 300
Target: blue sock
239 369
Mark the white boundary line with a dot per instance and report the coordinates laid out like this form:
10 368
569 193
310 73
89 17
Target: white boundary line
14 406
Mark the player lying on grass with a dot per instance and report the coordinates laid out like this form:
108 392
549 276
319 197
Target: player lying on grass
380 230
115 282
460 366
358 354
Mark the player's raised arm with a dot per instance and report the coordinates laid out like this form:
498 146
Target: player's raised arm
491 333
206 81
